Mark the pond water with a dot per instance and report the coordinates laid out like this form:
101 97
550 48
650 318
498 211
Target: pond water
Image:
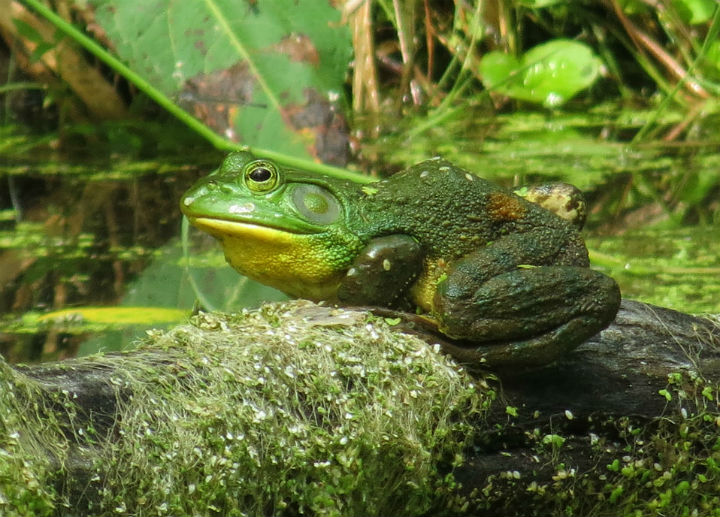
91 252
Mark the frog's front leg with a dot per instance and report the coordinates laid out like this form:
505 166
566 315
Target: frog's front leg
527 315
382 272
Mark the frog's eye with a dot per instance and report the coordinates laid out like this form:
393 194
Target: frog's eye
261 176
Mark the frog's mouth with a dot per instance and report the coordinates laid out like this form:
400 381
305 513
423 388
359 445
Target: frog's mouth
296 263
224 229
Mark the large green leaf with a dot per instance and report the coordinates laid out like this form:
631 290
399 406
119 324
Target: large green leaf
550 73
254 70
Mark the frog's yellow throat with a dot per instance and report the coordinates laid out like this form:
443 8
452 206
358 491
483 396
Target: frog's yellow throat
300 265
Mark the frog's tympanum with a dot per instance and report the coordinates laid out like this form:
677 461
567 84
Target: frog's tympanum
507 280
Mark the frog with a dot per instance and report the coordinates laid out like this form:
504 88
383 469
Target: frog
504 281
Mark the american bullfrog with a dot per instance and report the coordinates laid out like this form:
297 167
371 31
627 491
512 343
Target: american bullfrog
507 280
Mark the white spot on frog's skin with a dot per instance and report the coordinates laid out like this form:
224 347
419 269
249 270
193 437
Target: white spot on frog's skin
352 272
444 168
469 176
372 253
424 174
387 265
245 208
188 201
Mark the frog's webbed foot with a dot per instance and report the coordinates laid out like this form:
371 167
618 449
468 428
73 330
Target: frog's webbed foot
527 316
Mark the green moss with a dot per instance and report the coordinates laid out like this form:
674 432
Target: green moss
292 409
275 425
27 473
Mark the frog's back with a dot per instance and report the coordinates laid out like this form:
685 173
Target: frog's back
451 211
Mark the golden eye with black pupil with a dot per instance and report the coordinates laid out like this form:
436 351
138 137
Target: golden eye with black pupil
261 176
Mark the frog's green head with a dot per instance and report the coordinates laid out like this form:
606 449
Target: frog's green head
284 228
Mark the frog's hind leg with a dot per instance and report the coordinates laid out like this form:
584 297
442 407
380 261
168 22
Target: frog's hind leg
529 353
528 316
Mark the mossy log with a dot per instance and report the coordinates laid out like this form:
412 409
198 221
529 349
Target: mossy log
305 409
626 423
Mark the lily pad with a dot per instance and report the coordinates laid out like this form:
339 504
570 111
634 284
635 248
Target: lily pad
548 74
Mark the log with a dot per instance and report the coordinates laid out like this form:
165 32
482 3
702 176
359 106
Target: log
300 408
636 409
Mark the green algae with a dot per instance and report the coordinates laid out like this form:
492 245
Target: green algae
268 413
27 426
